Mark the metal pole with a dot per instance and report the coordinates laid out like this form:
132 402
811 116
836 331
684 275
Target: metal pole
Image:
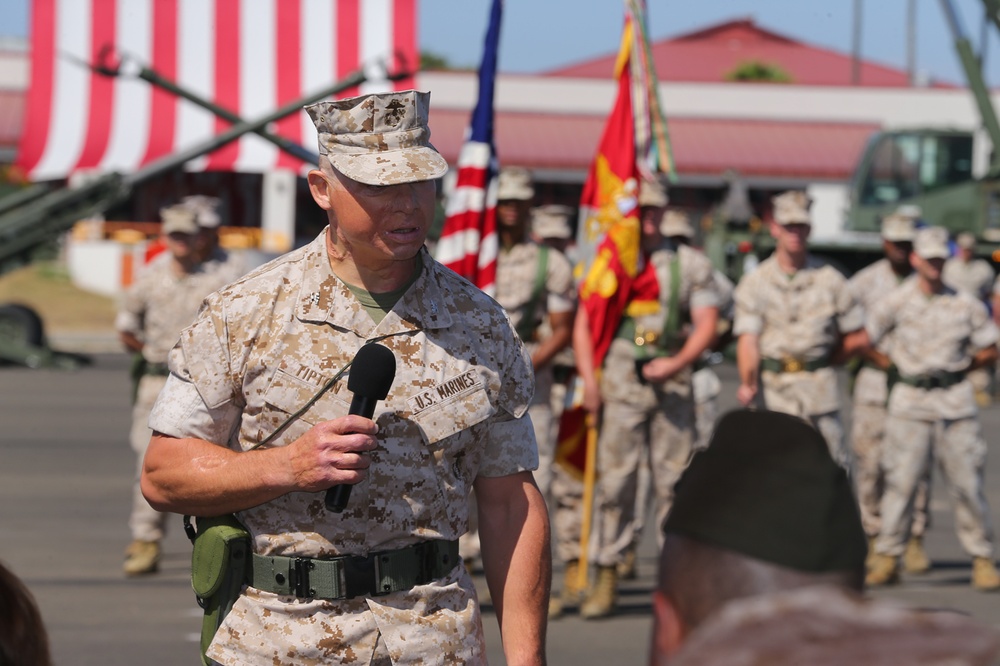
911 41
856 44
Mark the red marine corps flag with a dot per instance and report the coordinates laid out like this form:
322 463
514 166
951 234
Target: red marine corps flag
468 243
633 146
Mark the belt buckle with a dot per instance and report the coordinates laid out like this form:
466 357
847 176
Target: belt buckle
300 585
645 336
791 364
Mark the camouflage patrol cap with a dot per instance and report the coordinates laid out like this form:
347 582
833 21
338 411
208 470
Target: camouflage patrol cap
676 223
552 221
898 228
965 240
178 219
652 193
912 211
514 184
380 138
932 243
792 207
205 209
767 488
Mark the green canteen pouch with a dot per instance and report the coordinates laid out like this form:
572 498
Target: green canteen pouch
216 546
219 568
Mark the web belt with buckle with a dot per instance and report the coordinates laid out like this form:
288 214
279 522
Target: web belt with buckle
349 576
933 381
792 364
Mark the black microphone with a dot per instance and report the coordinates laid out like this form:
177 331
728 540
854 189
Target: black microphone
371 375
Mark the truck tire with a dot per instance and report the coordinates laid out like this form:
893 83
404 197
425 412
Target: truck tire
21 324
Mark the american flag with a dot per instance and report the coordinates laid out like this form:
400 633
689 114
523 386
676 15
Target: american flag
468 243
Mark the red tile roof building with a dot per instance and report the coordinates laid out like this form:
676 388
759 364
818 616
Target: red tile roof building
713 53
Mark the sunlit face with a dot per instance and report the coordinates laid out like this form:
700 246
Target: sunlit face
791 238
377 222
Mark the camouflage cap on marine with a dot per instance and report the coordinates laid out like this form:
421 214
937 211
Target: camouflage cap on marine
552 221
205 209
652 193
676 223
514 184
898 228
766 487
966 241
792 207
178 219
912 211
379 139
932 243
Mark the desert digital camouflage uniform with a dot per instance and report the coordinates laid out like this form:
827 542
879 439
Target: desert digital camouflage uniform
517 268
705 383
928 335
974 277
871 394
155 309
261 350
800 318
640 419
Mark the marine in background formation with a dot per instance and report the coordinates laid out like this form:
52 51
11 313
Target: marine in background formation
871 393
163 300
935 335
643 390
795 319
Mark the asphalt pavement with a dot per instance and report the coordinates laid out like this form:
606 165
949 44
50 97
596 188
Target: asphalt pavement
65 477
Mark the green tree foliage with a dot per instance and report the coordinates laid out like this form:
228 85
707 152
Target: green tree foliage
431 61
756 70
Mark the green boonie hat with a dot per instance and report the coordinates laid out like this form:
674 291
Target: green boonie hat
379 139
766 487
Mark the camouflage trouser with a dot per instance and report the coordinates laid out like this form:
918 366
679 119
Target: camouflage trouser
566 508
960 450
663 433
782 396
706 386
543 422
867 431
145 522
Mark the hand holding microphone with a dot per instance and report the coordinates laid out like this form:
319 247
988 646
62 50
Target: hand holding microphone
370 378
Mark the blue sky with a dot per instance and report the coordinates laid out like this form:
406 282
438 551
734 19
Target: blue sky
542 34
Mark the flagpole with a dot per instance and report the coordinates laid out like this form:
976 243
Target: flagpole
589 483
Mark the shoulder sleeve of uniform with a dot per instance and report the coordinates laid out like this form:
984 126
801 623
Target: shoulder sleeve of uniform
704 290
748 316
881 318
850 315
984 330
559 283
517 377
202 357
